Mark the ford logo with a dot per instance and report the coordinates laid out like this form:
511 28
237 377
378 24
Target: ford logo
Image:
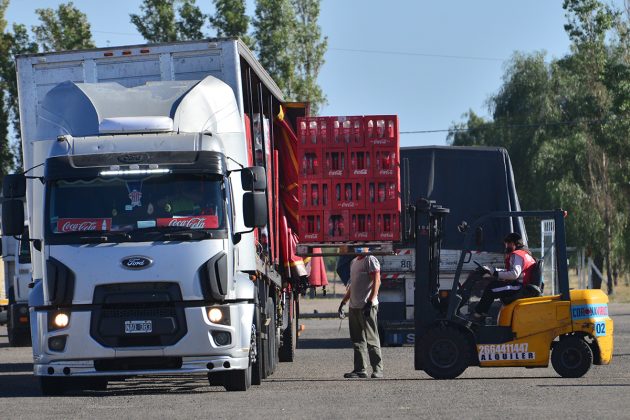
136 262
133 158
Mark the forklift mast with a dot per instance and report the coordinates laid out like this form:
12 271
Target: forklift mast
429 226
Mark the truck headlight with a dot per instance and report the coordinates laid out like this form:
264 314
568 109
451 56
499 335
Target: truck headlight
219 314
57 320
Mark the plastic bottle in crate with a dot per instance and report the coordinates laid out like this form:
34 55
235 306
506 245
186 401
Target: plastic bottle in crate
303 132
315 195
325 195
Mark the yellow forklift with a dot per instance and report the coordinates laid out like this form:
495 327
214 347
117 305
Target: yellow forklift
572 329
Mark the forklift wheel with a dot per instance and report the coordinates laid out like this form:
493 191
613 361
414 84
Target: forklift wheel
447 352
571 357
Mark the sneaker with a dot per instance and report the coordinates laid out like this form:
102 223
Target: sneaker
353 374
377 375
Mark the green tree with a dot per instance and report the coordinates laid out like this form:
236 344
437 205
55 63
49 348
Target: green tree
158 21
565 125
66 28
230 20
274 30
308 48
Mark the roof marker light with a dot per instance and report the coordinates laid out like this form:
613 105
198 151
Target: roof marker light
123 172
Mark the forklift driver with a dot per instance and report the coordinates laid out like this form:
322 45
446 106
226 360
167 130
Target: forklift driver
519 265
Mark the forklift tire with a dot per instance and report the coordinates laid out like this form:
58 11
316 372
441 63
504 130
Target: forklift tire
446 352
571 357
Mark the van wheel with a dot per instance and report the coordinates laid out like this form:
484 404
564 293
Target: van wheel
446 352
571 357
289 335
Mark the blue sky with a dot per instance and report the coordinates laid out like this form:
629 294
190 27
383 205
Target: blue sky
427 61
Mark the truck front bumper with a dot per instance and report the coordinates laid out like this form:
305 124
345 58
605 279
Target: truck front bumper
189 365
194 352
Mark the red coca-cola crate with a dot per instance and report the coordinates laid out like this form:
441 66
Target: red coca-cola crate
381 130
346 131
361 225
385 162
336 226
383 194
348 194
361 163
315 195
311 163
387 225
311 226
313 131
336 162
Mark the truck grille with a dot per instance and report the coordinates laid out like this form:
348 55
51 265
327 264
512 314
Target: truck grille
152 304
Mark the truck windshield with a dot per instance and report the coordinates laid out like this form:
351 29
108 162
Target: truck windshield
155 203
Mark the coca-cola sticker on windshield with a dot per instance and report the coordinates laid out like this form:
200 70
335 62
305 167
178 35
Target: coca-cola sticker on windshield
193 222
84 225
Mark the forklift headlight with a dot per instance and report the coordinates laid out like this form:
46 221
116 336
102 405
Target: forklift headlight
57 320
219 315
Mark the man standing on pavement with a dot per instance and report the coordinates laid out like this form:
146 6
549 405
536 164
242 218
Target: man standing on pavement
362 292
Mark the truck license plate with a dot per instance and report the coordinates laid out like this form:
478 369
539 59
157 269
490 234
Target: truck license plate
138 327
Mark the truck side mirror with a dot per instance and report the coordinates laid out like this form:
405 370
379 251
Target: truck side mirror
12 217
14 186
255 209
254 179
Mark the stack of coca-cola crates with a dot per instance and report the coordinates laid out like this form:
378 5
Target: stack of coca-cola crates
349 178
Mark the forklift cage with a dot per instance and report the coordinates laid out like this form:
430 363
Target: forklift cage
559 239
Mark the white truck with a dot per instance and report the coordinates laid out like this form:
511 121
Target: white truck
152 233
14 288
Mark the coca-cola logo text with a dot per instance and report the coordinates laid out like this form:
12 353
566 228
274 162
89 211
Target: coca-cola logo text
65 225
197 222
348 204
361 234
386 172
335 173
360 172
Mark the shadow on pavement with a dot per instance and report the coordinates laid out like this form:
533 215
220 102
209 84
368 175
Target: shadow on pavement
324 343
16 367
26 386
580 385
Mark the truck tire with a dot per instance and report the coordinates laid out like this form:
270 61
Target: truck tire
257 365
238 380
446 352
571 357
18 338
271 348
289 335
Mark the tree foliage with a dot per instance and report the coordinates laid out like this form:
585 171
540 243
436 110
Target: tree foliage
161 21
565 125
66 28
309 48
274 28
230 19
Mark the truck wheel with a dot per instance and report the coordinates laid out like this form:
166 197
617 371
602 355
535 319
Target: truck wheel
238 380
571 357
18 338
286 352
271 349
255 352
446 352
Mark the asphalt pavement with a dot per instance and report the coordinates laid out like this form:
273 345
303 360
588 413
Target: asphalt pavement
313 387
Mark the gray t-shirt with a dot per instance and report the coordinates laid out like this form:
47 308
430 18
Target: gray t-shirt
360 281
